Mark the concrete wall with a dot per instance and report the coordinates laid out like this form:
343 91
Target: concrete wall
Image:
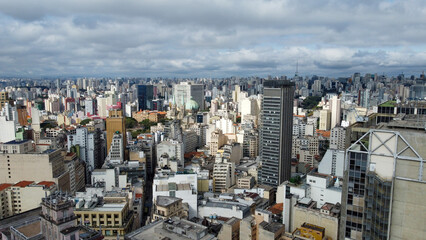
302 215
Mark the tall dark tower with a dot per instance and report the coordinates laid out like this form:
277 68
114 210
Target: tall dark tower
276 131
145 95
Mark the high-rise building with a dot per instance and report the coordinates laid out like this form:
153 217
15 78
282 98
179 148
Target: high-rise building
90 106
19 161
115 123
88 145
384 188
145 95
325 120
4 98
338 138
335 111
276 131
184 91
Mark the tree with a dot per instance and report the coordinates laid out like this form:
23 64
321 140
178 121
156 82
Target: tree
131 122
85 122
311 102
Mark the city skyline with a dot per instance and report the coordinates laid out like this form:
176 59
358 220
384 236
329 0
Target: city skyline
214 39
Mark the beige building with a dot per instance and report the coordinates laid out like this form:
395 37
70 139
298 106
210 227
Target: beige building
246 182
270 231
309 232
166 207
230 229
76 170
20 162
248 228
23 196
218 139
113 214
4 98
327 216
115 124
325 120
223 175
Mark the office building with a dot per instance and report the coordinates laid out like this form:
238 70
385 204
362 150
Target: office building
184 91
23 196
111 210
145 95
115 124
276 131
384 188
338 138
325 120
20 162
90 106
88 145
335 106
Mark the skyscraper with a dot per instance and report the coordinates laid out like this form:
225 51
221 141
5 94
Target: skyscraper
384 188
276 131
185 90
145 95
115 124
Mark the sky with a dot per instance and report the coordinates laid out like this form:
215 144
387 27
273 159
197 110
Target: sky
211 38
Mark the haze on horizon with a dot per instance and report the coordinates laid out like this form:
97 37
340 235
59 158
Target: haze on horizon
211 38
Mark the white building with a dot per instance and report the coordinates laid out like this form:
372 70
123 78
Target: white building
227 209
182 186
223 175
185 90
8 129
338 138
173 149
335 111
333 163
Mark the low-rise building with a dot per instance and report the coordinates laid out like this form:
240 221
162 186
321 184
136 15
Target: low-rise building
166 207
23 196
173 228
111 212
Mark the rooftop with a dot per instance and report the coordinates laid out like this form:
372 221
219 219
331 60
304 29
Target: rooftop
23 184
272 227
165 201
16 142
46 183
3 186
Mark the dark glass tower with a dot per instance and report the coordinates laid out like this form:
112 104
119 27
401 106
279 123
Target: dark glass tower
145 96
276 131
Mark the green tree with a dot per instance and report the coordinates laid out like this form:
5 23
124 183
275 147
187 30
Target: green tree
85 122
131 122
311 102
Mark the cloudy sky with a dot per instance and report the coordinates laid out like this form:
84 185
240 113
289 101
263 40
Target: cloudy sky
211 38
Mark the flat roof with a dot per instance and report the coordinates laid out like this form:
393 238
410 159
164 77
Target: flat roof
30 230
16 142
165 201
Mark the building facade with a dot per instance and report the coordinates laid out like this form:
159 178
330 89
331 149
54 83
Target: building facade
276 132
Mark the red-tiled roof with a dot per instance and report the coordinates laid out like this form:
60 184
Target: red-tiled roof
23 183
46 183
277 208
4 186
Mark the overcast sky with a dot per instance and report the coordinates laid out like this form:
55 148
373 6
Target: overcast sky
211 38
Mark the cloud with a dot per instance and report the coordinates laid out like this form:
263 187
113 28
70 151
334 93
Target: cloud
210 38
